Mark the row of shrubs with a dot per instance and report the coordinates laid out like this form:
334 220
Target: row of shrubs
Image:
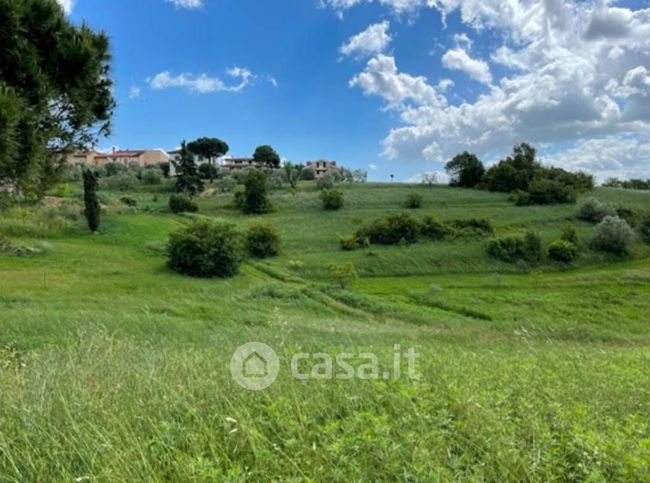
209 249
403 229
595 211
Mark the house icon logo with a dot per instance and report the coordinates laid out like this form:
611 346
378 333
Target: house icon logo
254 366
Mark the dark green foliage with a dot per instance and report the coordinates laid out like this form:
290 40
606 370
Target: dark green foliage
255 197
644 229
92 209
188 180
515 172
55 92
267 156
113 169
348 243
332 199
205 250
632 184
613 235
433 229
129 201
208 171
511 249
263 241
594 211
180 203
165 168
627 214
414 200
326 182
473 227
308 174
562 251
465 170
392 230
579 182
570 234
545 192
207 149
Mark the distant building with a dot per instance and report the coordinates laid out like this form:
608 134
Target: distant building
175 157
145 157
321 167
240 163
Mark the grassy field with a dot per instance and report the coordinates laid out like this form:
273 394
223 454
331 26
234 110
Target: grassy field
114 368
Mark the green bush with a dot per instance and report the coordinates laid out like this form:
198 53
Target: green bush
129 200
325 182
343 274
594 211
515 248
644 229
151 176
120 182
433 229
546 192
570 234
414 200
263 241
627 214
613 235
348 243
562 251
392 230
256 188
332 199
205 250
208 171
180 203
473 227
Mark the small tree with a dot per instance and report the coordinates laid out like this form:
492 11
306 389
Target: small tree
613 235
292 173
343 274
92 211
332 199
465 170
414 200
209 148
429 179
263 241
256 192
188 180
267 156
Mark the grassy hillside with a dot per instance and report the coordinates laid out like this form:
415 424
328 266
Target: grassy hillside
115 368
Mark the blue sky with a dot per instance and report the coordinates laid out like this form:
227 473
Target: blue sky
417 84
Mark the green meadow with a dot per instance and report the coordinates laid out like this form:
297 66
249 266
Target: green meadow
115 368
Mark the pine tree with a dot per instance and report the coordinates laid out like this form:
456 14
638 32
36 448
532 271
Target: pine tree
188 180
93 209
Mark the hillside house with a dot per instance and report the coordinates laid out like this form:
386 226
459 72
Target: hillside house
321 167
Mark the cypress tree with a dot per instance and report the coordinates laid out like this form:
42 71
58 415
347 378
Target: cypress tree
90 198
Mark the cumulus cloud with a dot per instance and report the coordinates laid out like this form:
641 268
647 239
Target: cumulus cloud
576 73
459 59
187 3
202 84
134 92
371 41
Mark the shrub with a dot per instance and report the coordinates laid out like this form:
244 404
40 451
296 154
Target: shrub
545 192
433 229
151 176
208 171
562 251
414 200
332 199
349 243
343 274
63 191
226 184
595 211
515 248
120 182
263 241
570 234
255 193
613 235
394 229
113 169
325 182
308 174
129 200
473 227
205 250
644 229
628 215
180 203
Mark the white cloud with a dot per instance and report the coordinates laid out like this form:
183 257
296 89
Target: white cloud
67 5
371 41
203 84
577 72
134 92
187 3
372 166
272 80
459 59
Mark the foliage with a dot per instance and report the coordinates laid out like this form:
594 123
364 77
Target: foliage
327 181
429 179
533 250
562 251
332 199
205 250
343 274
180 203
414 200
627 214
266 156
208 149
208 171
165 169
613 235
545 192
432 228
570 234
92 208
293 173
151 176
632 184
226 184
594 211
125 181
308 174
473 227
188 180
516 172
55 92
644 229
511 249
263 241
348 243
465 170
113 169
129 201
255 199
391 230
